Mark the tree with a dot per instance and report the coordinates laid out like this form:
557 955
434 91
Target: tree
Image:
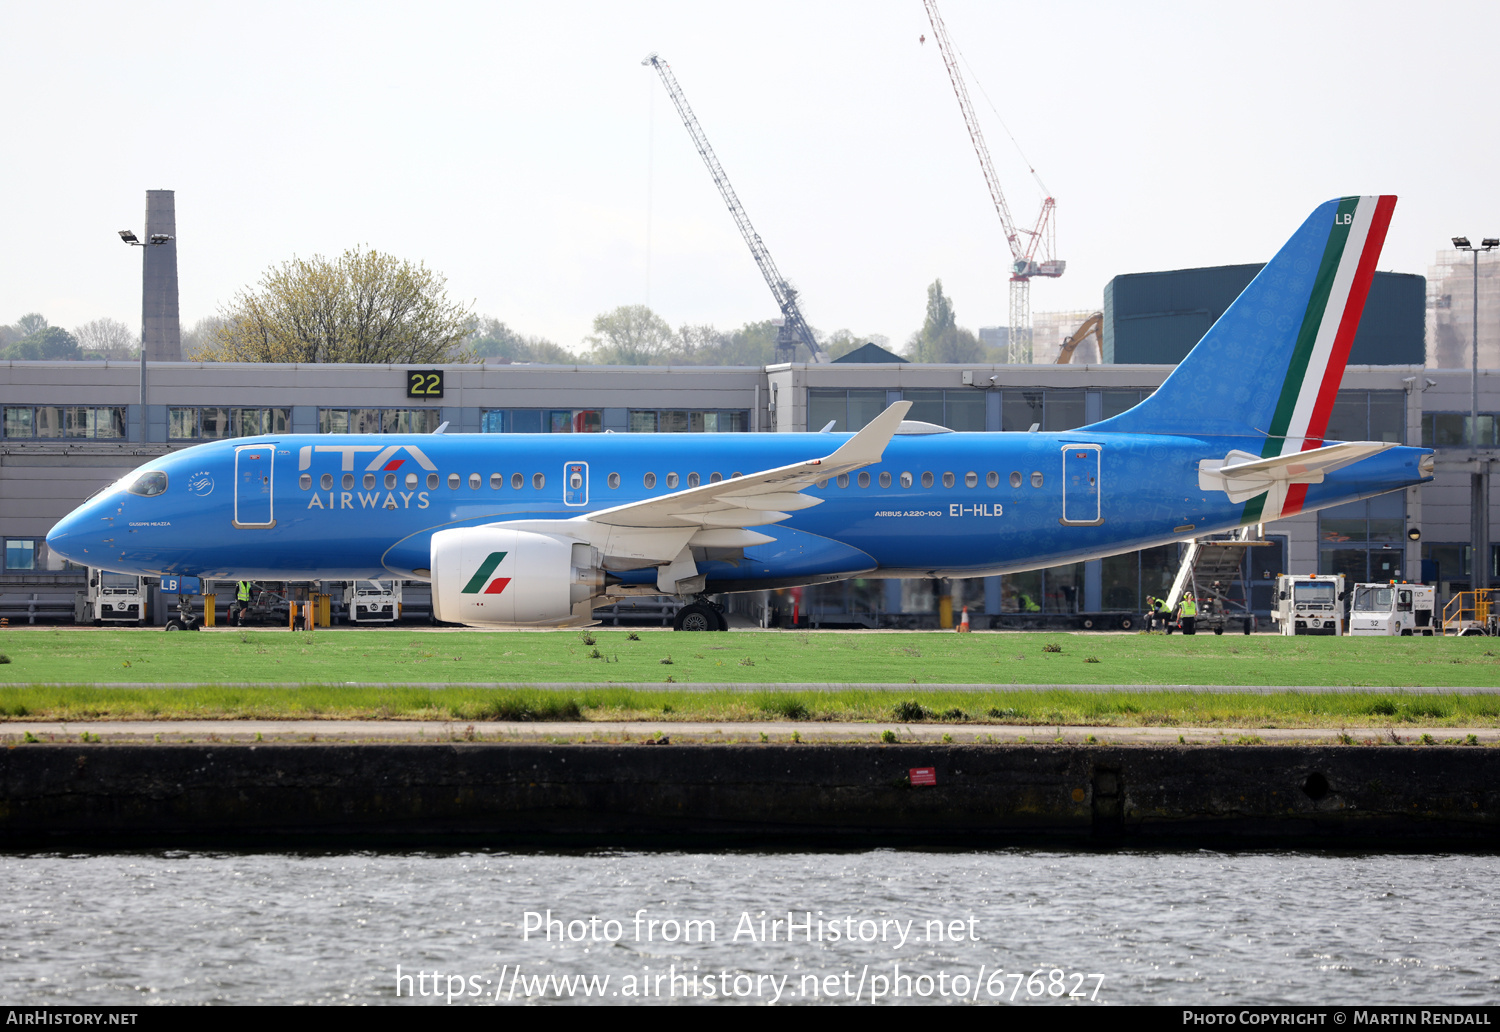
52 344
492 339
630 335
941 339
364 306
30 323
202 333
107 339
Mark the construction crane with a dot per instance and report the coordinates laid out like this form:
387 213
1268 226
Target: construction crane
1030 249
1093 324
794 329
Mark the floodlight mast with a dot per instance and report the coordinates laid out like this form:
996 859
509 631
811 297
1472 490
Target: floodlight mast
1026 245
794 329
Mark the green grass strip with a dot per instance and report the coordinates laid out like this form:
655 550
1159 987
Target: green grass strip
1044 708
90 655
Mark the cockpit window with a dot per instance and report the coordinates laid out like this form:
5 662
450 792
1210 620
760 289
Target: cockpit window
149 484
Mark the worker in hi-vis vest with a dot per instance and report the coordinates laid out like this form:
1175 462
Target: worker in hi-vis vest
242 602
1188 612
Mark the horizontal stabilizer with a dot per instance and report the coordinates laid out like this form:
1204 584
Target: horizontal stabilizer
1243 476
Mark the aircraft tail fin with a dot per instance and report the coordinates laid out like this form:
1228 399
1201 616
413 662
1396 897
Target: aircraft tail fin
1270 367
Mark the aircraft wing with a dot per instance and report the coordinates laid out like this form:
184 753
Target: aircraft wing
757 498
663 531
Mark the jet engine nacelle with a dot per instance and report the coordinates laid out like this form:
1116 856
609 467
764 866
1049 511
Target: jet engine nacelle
491 576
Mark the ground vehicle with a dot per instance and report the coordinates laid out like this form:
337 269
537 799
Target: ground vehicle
370 601
1393 608
111 598
1309 603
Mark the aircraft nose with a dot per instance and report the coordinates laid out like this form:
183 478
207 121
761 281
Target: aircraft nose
67 537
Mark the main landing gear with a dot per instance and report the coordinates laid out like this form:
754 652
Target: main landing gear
700 615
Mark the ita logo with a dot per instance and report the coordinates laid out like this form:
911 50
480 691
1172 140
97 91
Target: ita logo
201 484
480 583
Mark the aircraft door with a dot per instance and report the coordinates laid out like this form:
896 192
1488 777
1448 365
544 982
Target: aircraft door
252 486
576 483
1081 502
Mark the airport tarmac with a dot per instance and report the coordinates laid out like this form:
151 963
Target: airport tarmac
200 732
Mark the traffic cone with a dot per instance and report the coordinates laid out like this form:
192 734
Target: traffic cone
963 624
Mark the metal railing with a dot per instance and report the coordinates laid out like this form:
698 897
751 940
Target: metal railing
1471 612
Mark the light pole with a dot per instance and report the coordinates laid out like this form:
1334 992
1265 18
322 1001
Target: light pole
155 240
1479 505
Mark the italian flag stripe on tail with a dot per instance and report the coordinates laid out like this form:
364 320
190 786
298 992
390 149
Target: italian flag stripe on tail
1323 342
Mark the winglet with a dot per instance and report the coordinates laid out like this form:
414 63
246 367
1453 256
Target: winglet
867 446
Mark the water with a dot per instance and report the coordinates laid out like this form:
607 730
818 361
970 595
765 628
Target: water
1160 928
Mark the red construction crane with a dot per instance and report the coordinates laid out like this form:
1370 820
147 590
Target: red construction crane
1031 250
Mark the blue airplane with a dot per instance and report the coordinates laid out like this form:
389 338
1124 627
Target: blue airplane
535 530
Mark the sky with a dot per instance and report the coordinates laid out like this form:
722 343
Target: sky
525 153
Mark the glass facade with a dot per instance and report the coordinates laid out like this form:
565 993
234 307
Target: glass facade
957 410
378 421
213 422
103 422
1365 541
1451 430
21 554
591 421
1368 416
848 410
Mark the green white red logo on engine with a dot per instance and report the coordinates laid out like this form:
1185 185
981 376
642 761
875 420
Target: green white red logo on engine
481 584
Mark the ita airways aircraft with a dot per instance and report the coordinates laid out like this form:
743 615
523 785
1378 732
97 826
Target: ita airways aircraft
536 530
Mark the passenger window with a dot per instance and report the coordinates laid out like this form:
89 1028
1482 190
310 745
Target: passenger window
714 478
517 481
390 480
864 480
326 481
650 480
822 483
411 480
885 480
926 479
1036 479
614 480
947 479
1015 479
906 480
497 481
453 481
736 473
305 481
843 480
538 480
692 480
369 480
474 481
971 479
349 480
992 479
671 479
432 481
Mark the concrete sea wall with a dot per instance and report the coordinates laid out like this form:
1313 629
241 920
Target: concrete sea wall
483 794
